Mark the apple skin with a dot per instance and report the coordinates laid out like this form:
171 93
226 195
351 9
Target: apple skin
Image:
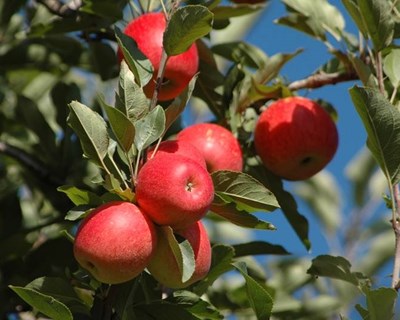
174 190
295 138
179 147
148 30
219 146
115 242
163 266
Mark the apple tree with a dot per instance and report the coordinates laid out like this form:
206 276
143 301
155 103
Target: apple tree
135 157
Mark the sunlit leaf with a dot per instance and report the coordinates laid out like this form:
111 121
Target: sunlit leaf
149 128
391 67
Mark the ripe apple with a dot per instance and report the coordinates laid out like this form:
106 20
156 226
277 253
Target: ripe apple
174 190
163 265
179 147
219 146
115 242
148 30
295 138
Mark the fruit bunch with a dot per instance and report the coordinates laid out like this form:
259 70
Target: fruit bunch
174 190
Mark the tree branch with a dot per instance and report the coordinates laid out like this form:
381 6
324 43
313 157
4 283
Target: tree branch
61 9
322 79
30 163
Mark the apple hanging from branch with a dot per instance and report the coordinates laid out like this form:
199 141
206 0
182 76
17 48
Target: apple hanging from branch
295 138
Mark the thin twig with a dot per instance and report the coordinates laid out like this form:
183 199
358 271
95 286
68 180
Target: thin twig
322 79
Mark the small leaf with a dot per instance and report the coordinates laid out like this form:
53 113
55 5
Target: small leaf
183 253
391 65
314 18
186 25
91 130
245 191
381 303
175 109
122 127
382 122
130 99
78 212
136 60
80 196
258 247
230 212
150 128
221 262
378 22
259 298
336 268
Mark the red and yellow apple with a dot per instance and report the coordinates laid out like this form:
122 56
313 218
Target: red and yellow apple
115 242
163 265
295 138
219 146
174 190
148 30
179 147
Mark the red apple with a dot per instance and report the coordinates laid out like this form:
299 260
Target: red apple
148 30
179 147
174 190
219 146
295 138
115 242
164 267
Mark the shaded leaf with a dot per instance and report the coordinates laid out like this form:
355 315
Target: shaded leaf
382 122
260 300
380 303
258 247
336 268
136 60
354 10
80 196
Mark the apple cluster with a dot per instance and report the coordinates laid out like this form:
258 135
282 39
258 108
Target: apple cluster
116 241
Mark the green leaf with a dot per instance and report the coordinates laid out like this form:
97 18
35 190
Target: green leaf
259 298
382 122
183 253
130 99
150 128
161 310
378 21
104 8
122 127
242 189
258 247
186 25
222 12
91 130
240 51
391 65
175 109
336 268
100 52
221 262
54 297
80 196
362 311
354 10
381 303
230 212
314 18
136 60
364 72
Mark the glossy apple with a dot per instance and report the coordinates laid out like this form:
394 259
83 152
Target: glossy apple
220 148
295 138
115 242
164 267
174 190
148 30
179 147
